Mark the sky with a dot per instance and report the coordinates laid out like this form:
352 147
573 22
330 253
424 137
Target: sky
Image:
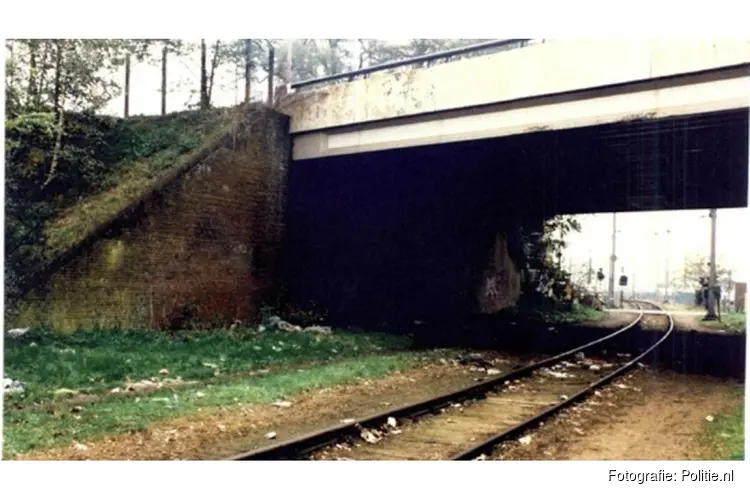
644 248
647 243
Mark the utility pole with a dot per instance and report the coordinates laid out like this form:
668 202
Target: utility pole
590 273
711 314
612 261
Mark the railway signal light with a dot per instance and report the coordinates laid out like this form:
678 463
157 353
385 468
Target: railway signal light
623 280
600 274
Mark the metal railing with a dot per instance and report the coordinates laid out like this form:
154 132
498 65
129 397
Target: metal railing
477 47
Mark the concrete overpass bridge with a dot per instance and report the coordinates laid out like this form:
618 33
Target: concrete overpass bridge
408 183
530 86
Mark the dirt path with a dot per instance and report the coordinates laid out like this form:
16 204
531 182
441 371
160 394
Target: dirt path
648 416
226 431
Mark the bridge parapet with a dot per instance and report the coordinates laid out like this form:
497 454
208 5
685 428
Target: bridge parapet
534 71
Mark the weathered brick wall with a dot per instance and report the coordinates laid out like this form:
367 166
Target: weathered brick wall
500 286
209 242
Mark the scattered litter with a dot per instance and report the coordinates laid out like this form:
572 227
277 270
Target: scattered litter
200 394
709 418
115 390
33 344
597 393
11 386
347 421
322 330
595 368
163 371
493 371
481 458
16 333
564 397
369 436
221 427
386 403
551 329
396 431
213 366
578 431
526 440
550 373
392 422
63 390
725 435
80 446
607 366
271 435
621 386
282 404
77 409
261 329
456 405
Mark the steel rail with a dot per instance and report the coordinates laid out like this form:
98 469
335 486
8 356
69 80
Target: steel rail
514 431
307 443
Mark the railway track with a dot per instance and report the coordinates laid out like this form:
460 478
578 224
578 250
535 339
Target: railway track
467 424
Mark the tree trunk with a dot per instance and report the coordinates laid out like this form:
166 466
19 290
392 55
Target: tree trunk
214 64
58 79
31 92
204 77
126 111
164 52
271 57
42 77
248 68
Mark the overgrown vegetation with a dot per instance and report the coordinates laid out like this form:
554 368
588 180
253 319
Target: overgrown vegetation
30 430
101 165
94 362
726 434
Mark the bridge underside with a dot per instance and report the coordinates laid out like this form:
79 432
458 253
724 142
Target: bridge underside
403 232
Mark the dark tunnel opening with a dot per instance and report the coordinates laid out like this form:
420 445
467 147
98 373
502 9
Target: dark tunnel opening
379 240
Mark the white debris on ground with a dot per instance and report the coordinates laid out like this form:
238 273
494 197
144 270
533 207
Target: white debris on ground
282 404
271 435
526 440
16 333
11 386
709 418
276 323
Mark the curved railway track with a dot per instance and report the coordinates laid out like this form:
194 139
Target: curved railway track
468 423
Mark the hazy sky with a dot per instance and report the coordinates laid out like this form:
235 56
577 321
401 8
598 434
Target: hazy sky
644 248
640 251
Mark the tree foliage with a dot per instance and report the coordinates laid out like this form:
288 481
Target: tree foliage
697 267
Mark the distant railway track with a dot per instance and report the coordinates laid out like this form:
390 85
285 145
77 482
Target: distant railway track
468 423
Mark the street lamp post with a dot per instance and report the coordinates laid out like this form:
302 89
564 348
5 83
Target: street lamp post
612 260
711 314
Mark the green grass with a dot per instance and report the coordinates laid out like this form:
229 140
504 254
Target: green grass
95 362
558 314
734 321
30 430
148 146
726 434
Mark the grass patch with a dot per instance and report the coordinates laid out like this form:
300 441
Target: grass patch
147 147
26 431
560 314
726 434
734 322
95 362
